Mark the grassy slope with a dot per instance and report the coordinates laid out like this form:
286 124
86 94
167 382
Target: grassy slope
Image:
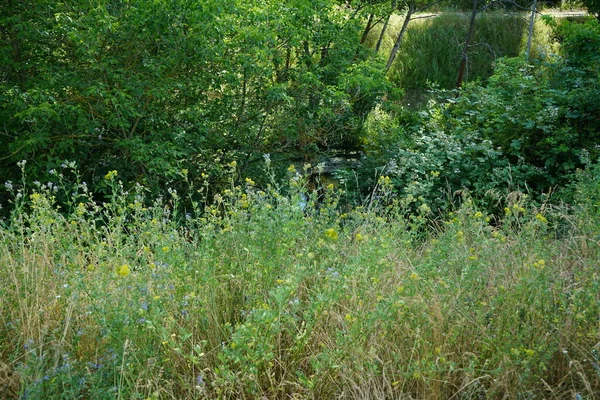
431 50
258 299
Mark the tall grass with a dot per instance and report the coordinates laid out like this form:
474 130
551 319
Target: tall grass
432 47
259 296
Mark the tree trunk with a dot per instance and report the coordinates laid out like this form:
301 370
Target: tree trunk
367 29
396 47
531 22
382 33
464 55
385 26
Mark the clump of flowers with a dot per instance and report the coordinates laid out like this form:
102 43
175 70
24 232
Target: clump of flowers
123 270
111 175
331 234
540 264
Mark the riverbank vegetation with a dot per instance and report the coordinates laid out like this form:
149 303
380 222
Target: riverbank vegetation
243 200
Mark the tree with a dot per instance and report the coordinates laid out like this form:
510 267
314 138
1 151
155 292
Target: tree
385 25
464 53
411 7
149 88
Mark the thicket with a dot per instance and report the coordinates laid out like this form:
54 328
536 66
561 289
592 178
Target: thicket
149 88
528 128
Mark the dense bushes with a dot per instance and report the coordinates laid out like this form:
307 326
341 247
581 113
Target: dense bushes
529 128
149 88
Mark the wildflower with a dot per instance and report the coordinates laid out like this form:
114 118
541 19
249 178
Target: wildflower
540 264
359 237
384 181
435 174
123 270
414 276
541 218
165 249
478 214
267 158
199 382
334 274
80 209
424 209
111 175
331 234
518 208
529 352
8 185
291 168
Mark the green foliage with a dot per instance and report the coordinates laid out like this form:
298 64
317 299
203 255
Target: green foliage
145 87
483 141
593 7
553 127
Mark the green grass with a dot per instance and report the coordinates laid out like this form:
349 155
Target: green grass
432 47
257 298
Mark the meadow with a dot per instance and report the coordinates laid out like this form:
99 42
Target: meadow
272 294
431 50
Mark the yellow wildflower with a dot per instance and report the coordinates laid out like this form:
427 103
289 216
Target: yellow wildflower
331 233
540 264
123 270
111 175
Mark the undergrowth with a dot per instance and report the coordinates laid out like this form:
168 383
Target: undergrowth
261 295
